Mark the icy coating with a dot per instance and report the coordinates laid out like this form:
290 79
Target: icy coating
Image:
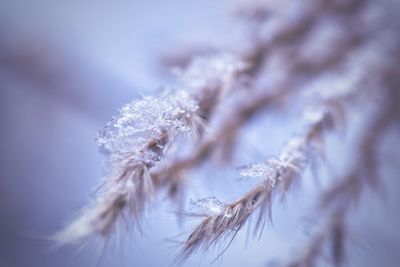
206 206
144 120
293 158
254 170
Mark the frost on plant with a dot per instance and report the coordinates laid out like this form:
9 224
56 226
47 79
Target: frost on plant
206 206
277 176
278 68
148 119
256 170
294 156
135 140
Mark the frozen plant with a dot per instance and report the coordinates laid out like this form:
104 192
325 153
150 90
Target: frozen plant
355 68
277 174
135 140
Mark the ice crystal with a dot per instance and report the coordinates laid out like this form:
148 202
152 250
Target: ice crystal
206 206
266 170
147 119
210 71
254 170
292 158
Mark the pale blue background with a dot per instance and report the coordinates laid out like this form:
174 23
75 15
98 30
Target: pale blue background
107 53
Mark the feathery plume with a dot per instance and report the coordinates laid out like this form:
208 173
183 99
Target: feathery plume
135 141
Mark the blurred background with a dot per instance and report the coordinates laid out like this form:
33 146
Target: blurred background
65 68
